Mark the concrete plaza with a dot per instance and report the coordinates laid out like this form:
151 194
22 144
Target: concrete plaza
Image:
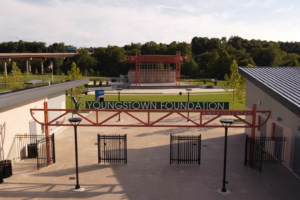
148 174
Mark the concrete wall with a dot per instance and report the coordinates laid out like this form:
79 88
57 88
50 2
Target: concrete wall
289 121
15 120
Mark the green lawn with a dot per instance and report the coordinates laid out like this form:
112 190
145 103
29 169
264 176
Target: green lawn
4 89
201 82
92 78
96 86
55 77
164 98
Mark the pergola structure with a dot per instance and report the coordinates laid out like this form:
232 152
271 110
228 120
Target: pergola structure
139 59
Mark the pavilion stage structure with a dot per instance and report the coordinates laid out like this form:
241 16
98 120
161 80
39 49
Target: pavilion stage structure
155 68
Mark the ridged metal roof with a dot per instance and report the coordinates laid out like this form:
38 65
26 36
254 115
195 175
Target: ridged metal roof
282 82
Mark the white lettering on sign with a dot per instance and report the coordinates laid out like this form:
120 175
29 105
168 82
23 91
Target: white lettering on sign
158 105
169 103
134 104
145 105
212 108
198 106
89 103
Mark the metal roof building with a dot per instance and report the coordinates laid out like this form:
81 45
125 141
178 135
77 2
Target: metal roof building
277 89
15 117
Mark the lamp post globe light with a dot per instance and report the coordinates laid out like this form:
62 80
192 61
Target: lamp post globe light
75 122
226 123
188 90
119 91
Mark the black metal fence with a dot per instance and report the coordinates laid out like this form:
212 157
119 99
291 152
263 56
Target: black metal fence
26 147
42 151
185 149
264 150
112 148
32 148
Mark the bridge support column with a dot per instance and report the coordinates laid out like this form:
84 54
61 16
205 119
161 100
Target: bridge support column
27 65
5 68
12 66
42 67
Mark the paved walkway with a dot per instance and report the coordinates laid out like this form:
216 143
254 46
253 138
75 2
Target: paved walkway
148 174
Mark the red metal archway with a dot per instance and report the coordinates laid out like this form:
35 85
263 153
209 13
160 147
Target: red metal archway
148 123
138 59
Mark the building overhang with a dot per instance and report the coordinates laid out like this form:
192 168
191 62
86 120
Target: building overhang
20 96
281 99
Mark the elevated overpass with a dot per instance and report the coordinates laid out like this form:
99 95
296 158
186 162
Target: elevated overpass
8 57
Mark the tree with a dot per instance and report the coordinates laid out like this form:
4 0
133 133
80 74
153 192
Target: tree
246 62
15 78
84 60
57 63
212 63
150 48
75 74
222 66
92 72
36 71
235 85
189 68
111 61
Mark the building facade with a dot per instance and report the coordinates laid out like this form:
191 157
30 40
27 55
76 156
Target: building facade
277 89
15 117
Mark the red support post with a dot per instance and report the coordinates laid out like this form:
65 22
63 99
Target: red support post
136 71
97 119
139 66
176 73
179 72
47 132
200 118
253 121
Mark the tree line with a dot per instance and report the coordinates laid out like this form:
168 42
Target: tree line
211 57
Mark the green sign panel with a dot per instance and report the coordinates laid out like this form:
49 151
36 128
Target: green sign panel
157 105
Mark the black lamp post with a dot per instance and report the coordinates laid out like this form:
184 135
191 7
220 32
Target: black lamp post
226 123
188 91
119 91
75 122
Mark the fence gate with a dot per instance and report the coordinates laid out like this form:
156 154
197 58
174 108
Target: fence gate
25 146
185 149
112 148
42 152
267 150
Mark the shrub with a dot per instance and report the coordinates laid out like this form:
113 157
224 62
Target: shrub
204 81
100 82
216 83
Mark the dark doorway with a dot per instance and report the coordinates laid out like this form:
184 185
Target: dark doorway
278 144
296 165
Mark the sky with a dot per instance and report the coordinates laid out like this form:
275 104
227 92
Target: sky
99 23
